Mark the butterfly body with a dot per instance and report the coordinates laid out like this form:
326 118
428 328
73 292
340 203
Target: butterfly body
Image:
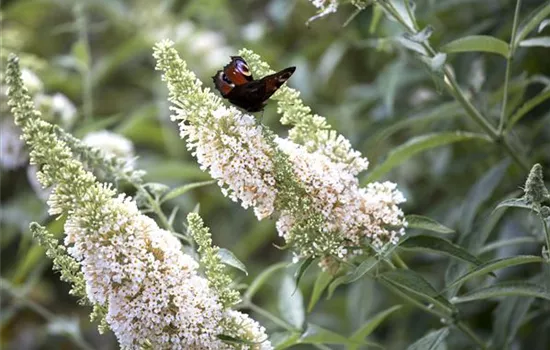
235 83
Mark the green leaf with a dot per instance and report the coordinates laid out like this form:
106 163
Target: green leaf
508 317
372 323
304 264
317 335
514 203
262 279
291 302
321 283
283 340
413 283
543 25
494 265
417 145
528 106
178 191
430 341
540 41
483 43
228 258
505 289
508 242
426 223
353 276
439 245
537 16
479 193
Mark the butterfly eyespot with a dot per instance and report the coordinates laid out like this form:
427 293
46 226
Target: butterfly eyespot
243 68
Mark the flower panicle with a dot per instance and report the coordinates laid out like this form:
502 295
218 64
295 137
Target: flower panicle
134 273
215 270
309 181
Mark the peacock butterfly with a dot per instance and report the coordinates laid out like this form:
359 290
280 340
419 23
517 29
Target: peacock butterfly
235 83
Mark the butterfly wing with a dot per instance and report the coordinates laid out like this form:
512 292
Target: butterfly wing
234 74
236 83
274 81
253 95
237 71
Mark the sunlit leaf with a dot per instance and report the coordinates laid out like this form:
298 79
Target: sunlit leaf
179 191
531 22
426 223
228 258
472 43
291 302
540 41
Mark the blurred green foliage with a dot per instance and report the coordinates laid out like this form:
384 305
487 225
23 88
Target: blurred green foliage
353 67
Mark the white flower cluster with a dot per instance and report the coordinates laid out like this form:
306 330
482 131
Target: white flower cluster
232 147
350 212
152 290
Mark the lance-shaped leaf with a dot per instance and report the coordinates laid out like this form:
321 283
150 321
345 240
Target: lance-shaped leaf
426 223
430 341
505 289
439 245
494 265
483 43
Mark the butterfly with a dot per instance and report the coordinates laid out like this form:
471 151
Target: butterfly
235 83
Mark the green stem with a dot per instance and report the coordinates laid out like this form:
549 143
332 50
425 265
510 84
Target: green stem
512 49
